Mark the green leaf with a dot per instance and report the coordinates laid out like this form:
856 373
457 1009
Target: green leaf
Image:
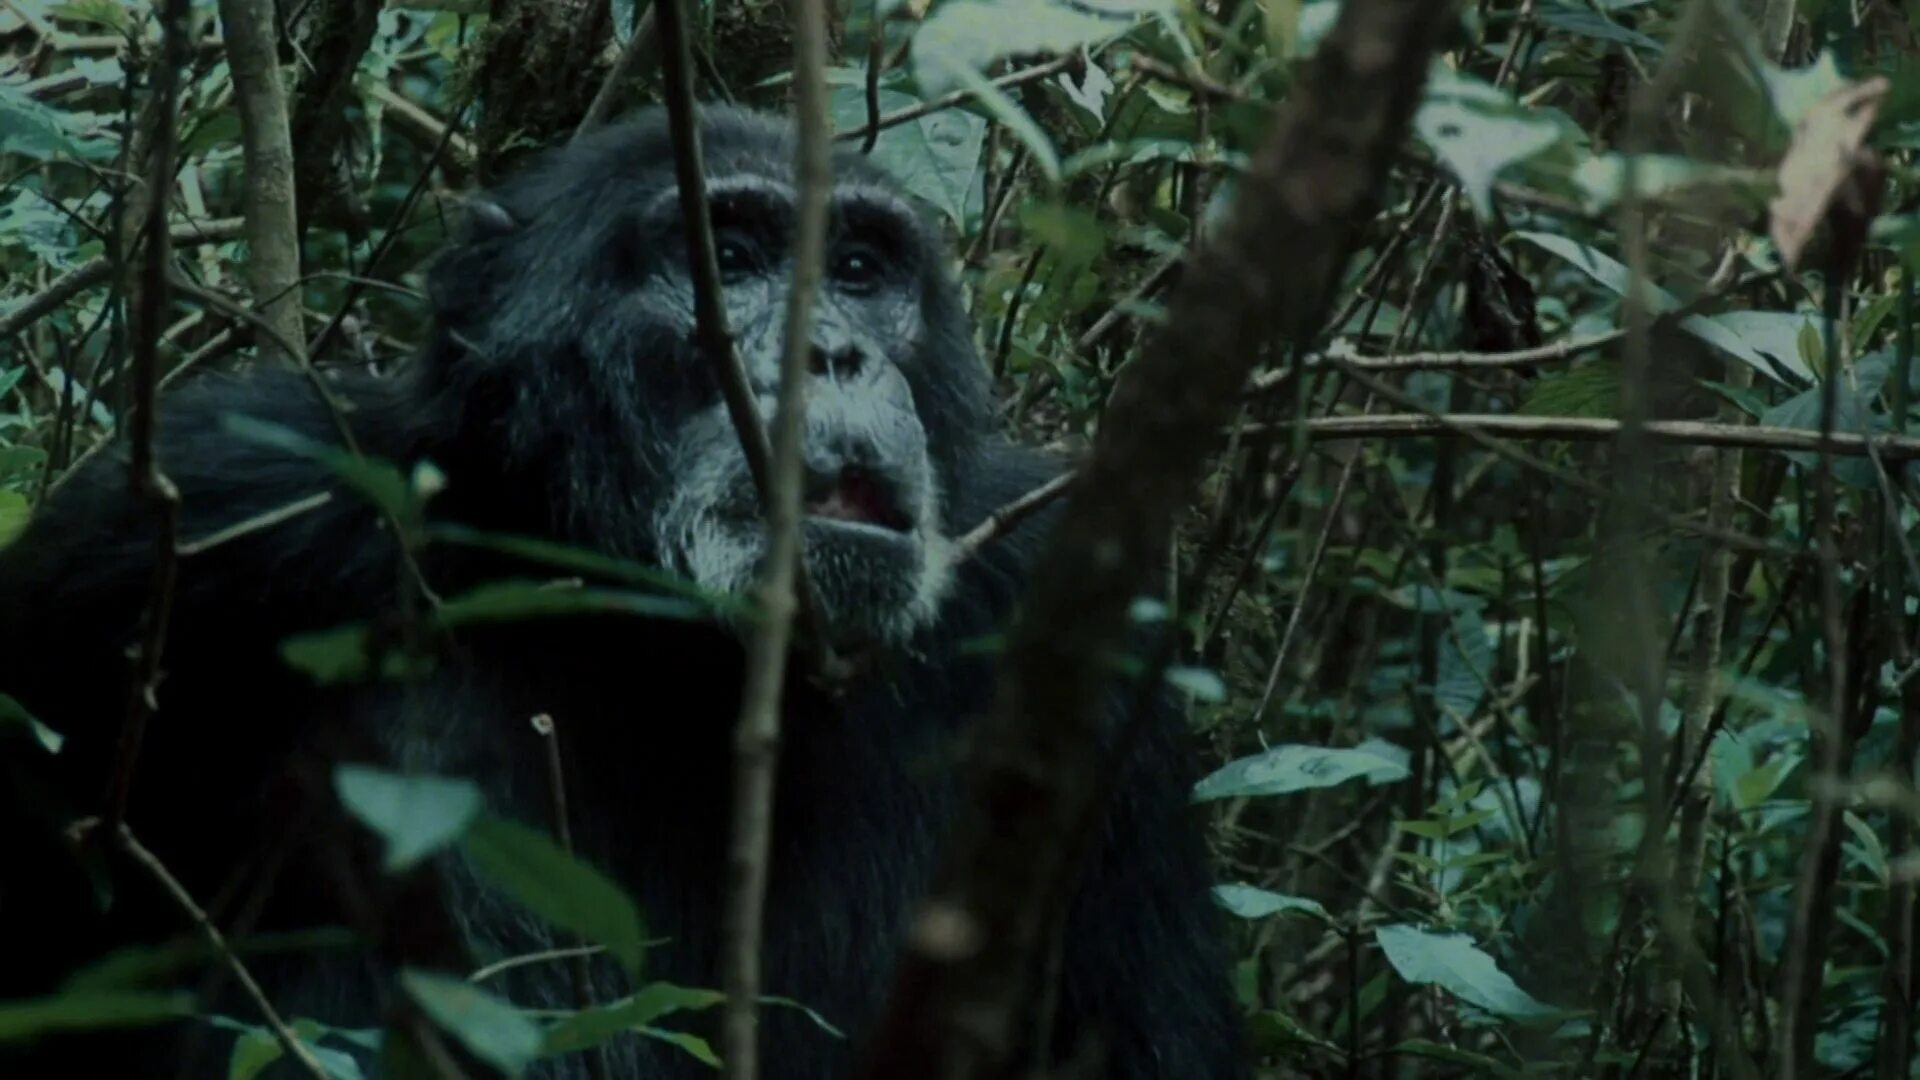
14 512
107 14
586 562
1466 665
415 815
558 887
511 601
133 965
935 158
1204 684
1776 334
1852 414
380 482
1758 784
1249 902
1011 116
1295 767
1478 131
963 36
330 657
591 1027
1455 964
692 1044
1601 181
1615 277
19 462
343 654
1596 25
492 1029
1591 389
39 132
1867 847
256 1048
88 1010
1481 1064
15 716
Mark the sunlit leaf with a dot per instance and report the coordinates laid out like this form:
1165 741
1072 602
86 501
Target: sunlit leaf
968 35
1478 131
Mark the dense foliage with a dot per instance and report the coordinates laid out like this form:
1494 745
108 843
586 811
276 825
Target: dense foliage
1560 684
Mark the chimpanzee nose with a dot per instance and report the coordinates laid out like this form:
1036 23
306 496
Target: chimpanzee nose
843 362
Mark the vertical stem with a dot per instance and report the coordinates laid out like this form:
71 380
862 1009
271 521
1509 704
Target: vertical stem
756 740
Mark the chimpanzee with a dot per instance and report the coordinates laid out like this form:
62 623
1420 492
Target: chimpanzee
562 396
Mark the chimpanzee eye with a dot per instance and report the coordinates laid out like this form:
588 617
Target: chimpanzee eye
857 269
735 257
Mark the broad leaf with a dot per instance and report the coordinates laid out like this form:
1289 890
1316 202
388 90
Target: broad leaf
558 887
1478 131
86 1010
1610 273
1249 902
15 717
1455 964
969 35
935 158
591 1027
1295 767
493 1030
415 815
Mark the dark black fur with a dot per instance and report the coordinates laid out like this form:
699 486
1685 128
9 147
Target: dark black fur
546 404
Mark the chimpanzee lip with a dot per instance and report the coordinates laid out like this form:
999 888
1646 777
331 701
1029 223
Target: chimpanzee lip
857 496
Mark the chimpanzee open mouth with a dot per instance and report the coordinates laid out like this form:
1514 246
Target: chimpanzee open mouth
857 496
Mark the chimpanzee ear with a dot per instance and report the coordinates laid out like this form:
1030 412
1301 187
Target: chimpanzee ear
485 219
460 277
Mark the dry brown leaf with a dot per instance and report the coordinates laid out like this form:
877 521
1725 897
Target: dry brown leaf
1820 167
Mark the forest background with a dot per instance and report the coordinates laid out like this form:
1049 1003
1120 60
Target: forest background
1549 617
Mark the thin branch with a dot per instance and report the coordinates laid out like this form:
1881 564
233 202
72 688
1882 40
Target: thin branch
544 956
1000 521
1585 429
958 97
1452 361
97 270
289 1042
716 340
414 119
636 60
255 524
710 314
145 478
577 966
876 63
757 736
